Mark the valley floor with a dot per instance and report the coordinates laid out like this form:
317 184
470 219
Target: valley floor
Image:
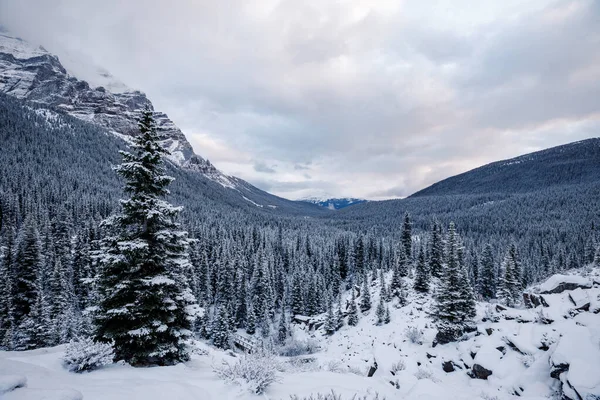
520 347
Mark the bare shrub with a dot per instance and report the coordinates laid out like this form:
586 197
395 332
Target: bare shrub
253 371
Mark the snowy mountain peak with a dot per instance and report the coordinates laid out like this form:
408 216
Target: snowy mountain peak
89 93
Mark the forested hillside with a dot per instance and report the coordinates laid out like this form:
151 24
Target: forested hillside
252 264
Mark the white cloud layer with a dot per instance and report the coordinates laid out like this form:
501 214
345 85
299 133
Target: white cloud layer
363 98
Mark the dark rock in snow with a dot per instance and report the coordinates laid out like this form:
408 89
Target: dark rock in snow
448 366
479 372
489 331
372 369
556 370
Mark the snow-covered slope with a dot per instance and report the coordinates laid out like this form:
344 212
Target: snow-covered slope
548 351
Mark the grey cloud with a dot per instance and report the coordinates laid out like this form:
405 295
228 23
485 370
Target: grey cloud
375 105
262 167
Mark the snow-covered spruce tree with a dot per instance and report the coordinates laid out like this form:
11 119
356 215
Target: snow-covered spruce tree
407 237
330 320
487 277
353 311
251 320
6 291
387 318
509 283
27 261
365 296
597 258
339 315
220 330
421 274
455 305
146 307
380 312
282 330
436 252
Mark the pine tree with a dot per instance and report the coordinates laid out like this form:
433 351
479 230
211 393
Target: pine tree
282 331
27 262
365 298
510 282
251 321
380 312
339 313
6 290
220 329
421 283
353 311
297 298
330 320
396 283
487 278
597 258
436 255
146 307
407 237
387 318
455 305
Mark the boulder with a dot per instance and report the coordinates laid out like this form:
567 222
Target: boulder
448 366
560 283
532 300
372 369
479 372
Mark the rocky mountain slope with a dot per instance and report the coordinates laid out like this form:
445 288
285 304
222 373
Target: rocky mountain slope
31 73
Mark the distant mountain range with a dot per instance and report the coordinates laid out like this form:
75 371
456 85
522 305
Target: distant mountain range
334 203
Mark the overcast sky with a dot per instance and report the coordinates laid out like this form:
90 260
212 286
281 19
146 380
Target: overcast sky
363 98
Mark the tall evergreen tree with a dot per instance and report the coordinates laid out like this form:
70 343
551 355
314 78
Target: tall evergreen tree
454 298
421 283
146 307
27 261
353 311
510 285
436 252
407 237
487 277
365 298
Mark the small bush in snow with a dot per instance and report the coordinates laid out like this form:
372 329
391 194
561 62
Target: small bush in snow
334 366
414 335
397 367
423 374
254 371
334 396
86 355
356 371
294 348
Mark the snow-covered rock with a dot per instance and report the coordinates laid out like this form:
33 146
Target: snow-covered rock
11 382
559 283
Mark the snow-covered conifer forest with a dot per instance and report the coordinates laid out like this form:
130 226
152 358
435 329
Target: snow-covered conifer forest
132 268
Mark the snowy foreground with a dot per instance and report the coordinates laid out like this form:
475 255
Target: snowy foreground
530 353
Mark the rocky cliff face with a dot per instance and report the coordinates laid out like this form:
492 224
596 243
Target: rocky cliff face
32 73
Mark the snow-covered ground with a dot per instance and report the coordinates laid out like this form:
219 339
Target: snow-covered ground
520 347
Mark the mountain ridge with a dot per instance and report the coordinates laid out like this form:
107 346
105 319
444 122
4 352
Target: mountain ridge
33 74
